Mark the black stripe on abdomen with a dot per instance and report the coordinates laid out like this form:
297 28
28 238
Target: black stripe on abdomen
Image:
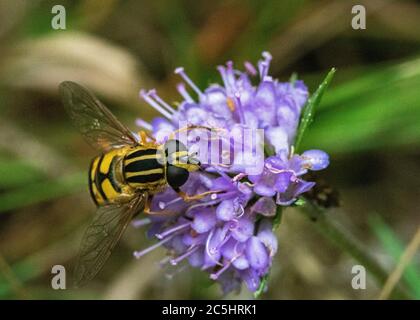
92 182
142 165
141 152
147 178
111 176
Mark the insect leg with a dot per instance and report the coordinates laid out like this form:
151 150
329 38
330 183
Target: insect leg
144 135
147 208
199 196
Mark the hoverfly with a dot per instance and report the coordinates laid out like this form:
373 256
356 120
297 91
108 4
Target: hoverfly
122 177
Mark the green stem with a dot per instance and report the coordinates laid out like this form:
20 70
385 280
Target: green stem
340 238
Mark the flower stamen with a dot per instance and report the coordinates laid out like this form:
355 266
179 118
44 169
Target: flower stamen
176 260
144 124
140 222
139 254
181 72
154 104
215 276
240 108
213 250
249 67
163 205
184 93
164 104
171 230
264 65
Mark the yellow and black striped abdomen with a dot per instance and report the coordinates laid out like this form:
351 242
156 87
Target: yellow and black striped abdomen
103 182
144 168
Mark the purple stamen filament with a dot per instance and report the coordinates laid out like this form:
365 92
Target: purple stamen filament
211 251
216 275
176 260
172 230
144 124
250 68
139 254
187 79
155 105
184 93
240 108
155 96
141 222
163 205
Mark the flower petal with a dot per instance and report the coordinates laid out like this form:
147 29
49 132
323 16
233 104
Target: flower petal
162 128
226 210
256 253
204 221
213 247
316 159
267 237
265 206
196 259
295 189
264 190
240 263
243 229
278 138
251 279
283 181
265 103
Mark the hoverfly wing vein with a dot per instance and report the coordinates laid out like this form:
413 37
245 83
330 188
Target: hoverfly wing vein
98 125
102 235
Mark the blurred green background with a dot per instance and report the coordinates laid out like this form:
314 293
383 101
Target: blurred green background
369 122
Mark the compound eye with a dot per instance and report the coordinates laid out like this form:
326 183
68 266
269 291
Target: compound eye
176 176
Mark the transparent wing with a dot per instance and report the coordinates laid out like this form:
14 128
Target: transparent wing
102 235
98 125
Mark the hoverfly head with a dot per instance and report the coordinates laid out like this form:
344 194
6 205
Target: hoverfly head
179 163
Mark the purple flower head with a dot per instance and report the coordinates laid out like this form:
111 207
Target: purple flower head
229 232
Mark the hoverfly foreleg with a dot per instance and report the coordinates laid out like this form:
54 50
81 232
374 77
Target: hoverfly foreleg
199 196
147 208
143 137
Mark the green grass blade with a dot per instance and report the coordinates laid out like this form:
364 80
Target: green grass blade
15 173
378 108
395 248
42 191
309 109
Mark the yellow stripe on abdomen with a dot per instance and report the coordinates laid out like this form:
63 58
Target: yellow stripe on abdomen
97 195
144 173
106 162
109 190
157 157
93 168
